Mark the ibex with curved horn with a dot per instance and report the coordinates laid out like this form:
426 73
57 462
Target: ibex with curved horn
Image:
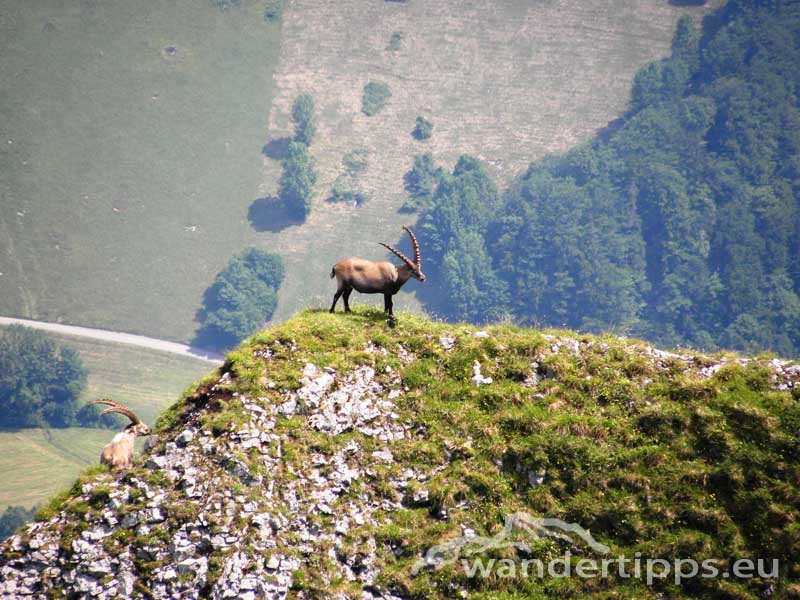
370 277
118 453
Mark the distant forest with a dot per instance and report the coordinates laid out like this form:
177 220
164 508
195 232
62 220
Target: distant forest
679 223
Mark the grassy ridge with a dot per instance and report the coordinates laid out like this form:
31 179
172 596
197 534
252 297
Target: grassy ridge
35 463
671 456
130 152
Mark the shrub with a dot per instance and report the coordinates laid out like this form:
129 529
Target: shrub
273 10
395 41
376 94
346 188
423 130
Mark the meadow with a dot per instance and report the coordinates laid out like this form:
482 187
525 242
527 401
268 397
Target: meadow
130 150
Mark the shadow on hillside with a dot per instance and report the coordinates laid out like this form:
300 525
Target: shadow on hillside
604 133
277 149
269 214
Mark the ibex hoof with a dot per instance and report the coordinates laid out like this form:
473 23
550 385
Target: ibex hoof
392 321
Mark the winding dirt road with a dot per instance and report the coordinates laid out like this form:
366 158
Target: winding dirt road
119 337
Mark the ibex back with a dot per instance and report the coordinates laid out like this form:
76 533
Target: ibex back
370 277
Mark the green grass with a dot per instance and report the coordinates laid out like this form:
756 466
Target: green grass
661 462
35 463
147 381
128 167
131 167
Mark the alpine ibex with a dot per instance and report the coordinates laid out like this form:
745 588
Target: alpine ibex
370 277
118 453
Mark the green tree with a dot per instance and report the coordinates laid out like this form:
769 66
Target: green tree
13 518
297 181
421 182
242 297
304 119
40 381
682 226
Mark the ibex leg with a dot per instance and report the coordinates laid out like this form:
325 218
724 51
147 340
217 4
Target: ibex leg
346 299
336 299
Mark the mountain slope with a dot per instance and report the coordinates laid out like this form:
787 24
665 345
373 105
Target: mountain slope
328 455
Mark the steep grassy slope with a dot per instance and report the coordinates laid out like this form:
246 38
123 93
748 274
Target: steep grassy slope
129 133
330 454
506 81
36 463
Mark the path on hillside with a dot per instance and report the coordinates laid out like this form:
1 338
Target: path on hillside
121 338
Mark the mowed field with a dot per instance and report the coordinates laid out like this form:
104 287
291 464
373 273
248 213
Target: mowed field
35 463
507 81
130 150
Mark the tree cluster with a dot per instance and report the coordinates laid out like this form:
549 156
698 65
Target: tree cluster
682 226
297 180
242 298
13 518
40 382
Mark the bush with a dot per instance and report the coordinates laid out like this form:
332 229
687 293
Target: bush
395 41
346 187
297 181
423 130
40 381
242 297
273 11
376 94
303 116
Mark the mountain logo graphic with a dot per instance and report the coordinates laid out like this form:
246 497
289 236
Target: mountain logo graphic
518 527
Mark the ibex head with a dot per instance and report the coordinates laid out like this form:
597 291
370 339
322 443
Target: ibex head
414 266
136 427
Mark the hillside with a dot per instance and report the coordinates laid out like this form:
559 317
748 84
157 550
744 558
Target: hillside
508 82
679 225
328 455
130 142
130 134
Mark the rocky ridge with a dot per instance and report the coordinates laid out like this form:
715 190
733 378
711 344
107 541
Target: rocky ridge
284 474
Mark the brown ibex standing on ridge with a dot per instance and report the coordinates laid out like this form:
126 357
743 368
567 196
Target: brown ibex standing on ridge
118 453
370 277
